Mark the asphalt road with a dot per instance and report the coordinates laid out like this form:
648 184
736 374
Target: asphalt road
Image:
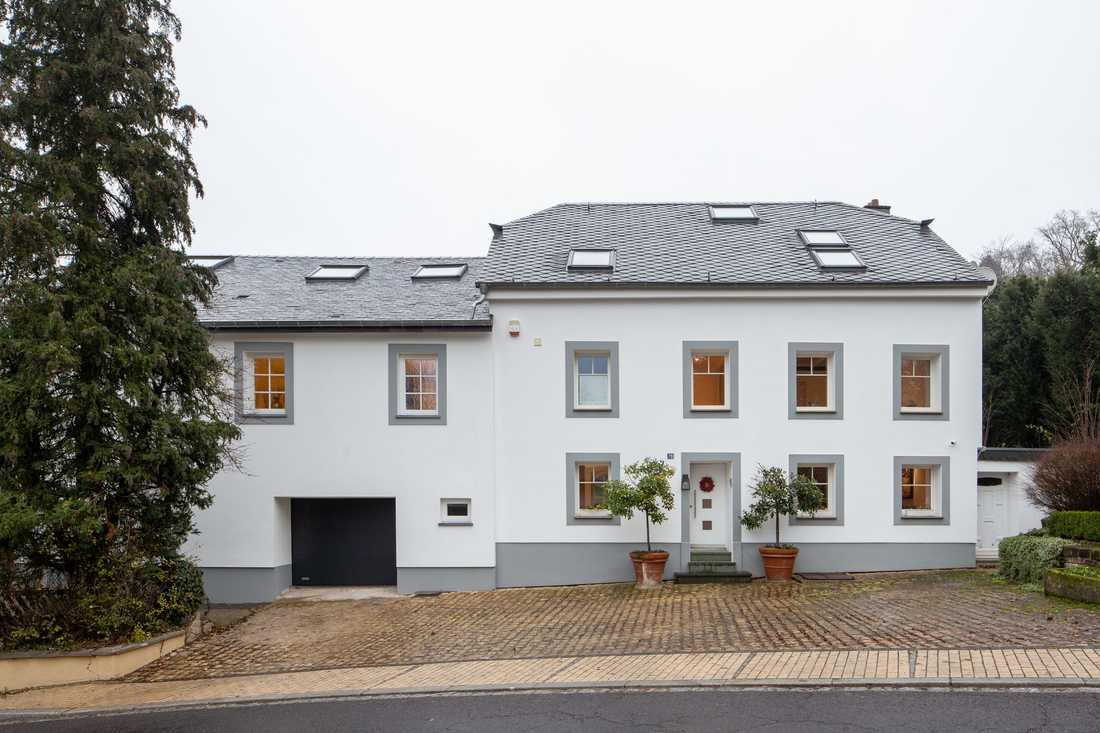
760 711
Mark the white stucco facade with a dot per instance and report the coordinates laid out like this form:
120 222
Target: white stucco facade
342 445
507 437
533 434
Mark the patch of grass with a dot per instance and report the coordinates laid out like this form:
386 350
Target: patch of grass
1085 571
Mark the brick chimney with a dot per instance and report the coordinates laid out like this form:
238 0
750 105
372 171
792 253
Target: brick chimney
874 205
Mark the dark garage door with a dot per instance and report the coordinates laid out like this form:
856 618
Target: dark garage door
343 541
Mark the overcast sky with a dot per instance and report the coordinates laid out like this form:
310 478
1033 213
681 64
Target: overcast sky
348 128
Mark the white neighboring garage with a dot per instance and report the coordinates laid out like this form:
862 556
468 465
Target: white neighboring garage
1003 507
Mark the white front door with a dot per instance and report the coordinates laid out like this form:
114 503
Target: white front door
992 519
709 523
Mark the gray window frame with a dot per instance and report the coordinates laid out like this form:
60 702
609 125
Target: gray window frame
943 465
571 461
836 350
612 350
440 353
467 522
240 348
734 374
837 462
941 352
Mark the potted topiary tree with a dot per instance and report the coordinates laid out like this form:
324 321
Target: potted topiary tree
647 491
777 494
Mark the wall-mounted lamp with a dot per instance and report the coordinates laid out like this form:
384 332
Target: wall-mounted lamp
685 483
513 327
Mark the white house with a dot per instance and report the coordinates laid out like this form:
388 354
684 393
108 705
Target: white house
448 424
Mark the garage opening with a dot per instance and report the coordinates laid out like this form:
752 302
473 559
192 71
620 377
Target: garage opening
343 541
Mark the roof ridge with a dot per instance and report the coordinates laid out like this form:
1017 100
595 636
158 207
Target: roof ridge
702 202
347 257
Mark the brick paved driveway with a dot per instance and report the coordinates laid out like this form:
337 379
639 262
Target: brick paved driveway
960 609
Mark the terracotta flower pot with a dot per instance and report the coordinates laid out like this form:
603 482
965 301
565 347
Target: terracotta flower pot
778 562
649 568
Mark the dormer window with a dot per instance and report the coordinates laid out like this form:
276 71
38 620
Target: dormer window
337 272
427 272
721 212
591 259
211 262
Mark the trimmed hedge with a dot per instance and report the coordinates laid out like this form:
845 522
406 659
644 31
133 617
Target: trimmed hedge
1074 525
1026 558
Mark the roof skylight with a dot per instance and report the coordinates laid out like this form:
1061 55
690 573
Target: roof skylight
440 271
337 272
721 212
822 238
591 259
837 258
211 261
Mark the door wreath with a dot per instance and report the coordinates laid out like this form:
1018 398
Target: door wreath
706 484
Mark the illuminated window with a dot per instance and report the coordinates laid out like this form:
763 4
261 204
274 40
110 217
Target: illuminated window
709 381
419 382
918 491
591 487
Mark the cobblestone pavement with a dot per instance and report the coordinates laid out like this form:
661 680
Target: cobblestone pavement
940 610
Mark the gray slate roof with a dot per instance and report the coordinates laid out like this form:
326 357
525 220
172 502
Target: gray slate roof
678 244
278 295
1024 455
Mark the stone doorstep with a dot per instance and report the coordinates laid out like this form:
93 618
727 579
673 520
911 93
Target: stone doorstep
736 576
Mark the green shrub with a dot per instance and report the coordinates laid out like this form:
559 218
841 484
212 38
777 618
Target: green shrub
1025 558
1074 525
127 600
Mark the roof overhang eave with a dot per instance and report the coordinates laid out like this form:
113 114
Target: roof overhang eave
770 285
474 324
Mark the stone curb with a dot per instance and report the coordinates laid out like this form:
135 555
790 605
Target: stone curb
869 683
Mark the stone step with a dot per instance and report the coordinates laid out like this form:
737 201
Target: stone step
737 576
711 556
704 568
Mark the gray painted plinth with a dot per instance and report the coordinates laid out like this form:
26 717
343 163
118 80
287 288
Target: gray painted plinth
858 557
429 580
573 563
245 585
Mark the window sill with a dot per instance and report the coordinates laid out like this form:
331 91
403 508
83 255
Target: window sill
418 416
815 517
920 411
606 408
695 408
921 516
814 410
456 524
595 516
